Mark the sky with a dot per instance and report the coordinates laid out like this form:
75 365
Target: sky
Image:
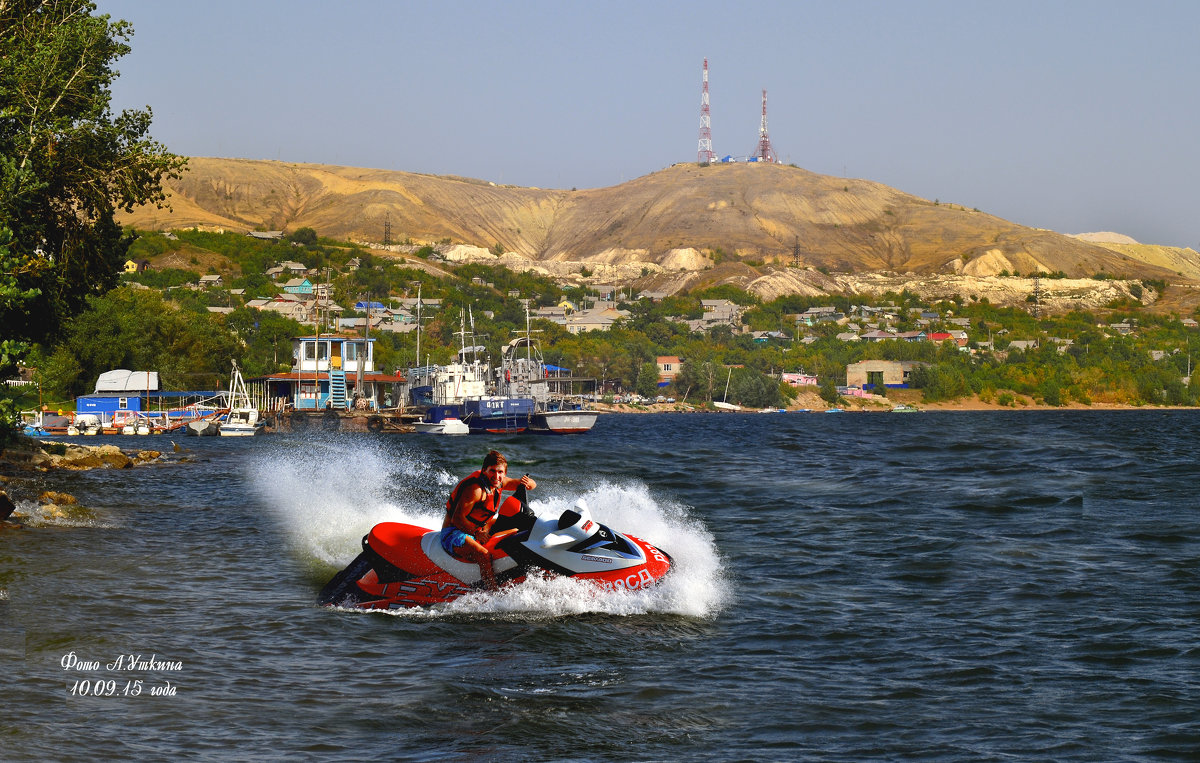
1077 116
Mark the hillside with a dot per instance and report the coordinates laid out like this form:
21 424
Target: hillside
671 224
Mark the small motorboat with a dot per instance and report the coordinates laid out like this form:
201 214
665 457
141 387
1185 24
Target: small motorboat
448 425
404 565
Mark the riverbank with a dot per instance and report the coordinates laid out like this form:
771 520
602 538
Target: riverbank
811 402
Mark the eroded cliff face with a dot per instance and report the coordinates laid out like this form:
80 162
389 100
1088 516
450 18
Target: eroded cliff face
690 269
676 228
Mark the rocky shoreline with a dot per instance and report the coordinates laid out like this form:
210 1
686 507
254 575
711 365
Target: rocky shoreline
28 455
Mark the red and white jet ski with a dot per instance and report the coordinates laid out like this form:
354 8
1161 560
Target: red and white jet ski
404 565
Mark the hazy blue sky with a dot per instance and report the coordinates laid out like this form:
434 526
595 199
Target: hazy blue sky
1075 116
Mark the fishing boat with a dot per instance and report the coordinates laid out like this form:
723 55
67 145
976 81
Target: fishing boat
525 375
243 419
497 414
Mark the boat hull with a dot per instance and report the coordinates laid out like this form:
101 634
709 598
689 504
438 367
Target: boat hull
563 422
497 414
447 426
403 566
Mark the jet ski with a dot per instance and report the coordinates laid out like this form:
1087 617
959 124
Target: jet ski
404 565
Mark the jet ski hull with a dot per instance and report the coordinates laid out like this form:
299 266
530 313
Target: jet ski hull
404 565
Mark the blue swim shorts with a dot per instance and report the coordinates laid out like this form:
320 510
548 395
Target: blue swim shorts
452 538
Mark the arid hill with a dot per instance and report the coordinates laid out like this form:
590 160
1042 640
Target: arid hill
680 220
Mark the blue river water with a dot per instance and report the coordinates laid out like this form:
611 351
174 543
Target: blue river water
936 586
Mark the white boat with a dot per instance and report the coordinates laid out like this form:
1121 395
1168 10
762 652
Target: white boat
85 424
563 422
721 404
243 419
135 426
203 427
445 426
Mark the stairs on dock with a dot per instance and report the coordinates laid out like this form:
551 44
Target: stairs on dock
337 390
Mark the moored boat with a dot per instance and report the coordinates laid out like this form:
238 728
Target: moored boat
243 419
524 375
203 428
497 414
448 425
562 422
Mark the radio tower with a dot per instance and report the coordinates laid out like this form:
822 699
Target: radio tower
705 154
764 152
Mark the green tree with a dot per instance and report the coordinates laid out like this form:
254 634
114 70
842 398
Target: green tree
304 236
139 331
67 163
647 380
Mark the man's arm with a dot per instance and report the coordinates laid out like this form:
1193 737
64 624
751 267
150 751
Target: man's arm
512 484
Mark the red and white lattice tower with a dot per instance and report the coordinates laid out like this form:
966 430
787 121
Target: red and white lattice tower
705 154
764 152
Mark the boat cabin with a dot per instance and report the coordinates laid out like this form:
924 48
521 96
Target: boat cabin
329 371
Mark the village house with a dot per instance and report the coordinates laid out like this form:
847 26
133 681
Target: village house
411 303
594 319
799 379
762 337
877 336
557 314
958 337
668 368
137 266
209 281
814 315
866 374
298 286
721 311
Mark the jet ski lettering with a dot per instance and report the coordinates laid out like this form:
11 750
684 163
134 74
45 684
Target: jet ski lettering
642 579
405 565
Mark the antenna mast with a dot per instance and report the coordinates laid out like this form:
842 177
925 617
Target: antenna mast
705 154
764 152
